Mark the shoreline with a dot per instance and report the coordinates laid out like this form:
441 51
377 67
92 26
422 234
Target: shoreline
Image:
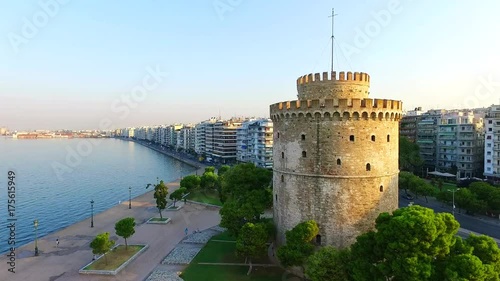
178 157
199 169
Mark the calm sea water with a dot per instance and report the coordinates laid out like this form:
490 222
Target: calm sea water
57 178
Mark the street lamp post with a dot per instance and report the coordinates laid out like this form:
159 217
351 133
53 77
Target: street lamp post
92 213
130 197
453 199
35 223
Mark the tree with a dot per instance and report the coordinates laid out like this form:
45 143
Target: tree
101 245
220 173
464 198
298 245
425 189
465 267
440 184
404 180
409 155
125 228
210 169
161 191
246 194
251 242
191 182
328 264
222 170
486 249
406 245
177 195
209 180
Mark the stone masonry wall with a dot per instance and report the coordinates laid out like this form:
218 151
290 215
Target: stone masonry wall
336 165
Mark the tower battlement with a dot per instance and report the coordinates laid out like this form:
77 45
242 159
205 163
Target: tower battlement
358 77
326 104
333 85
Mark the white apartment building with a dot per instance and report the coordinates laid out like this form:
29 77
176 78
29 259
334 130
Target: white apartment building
185 138
255 143
460 143
200 135
492 144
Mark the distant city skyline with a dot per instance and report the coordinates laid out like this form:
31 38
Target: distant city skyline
84 64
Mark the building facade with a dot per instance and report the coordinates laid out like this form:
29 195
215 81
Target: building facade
255 143
460 144
492 144
335 157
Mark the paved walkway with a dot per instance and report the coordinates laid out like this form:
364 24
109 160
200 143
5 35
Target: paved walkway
62 263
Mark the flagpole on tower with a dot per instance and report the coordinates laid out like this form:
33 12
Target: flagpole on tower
333 37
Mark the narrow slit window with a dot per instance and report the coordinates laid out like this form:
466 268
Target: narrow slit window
282 178
368 167
373 137
351 137
388 138
381 188
304 154
283 155
303 137
339 162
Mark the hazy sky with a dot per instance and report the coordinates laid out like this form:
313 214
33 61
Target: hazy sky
77 64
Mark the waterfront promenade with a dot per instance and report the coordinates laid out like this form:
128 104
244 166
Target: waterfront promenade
63 262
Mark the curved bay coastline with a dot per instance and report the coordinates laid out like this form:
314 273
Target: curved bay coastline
61 198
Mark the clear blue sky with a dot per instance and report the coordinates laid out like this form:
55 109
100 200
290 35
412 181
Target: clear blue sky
234 56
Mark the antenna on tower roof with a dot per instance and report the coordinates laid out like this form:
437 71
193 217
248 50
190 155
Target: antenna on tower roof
333 42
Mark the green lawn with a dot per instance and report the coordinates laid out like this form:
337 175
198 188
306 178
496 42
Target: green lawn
114 258
224 252
209 197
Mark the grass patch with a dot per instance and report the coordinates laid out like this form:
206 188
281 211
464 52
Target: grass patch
159 219
224 236
223 252
115 258
208 197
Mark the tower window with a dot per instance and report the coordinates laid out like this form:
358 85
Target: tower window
351 137
381 188
275 197
368 167
304 154
303 137
373 137
283 155
282 178
318 239
278 135
339 162
388 138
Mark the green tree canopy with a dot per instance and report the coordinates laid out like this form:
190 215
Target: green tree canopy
328 264
409 156
101 245
405 246
298 245
191 182
177 195
161 191
251 242
125 228
246 193
209 180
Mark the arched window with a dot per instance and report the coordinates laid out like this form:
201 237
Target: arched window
283 155
304 154
303 137
373 137
318 239
339 162
388 138
368 167
381 188
351 137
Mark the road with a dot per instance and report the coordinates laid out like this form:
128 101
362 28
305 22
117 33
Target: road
478 224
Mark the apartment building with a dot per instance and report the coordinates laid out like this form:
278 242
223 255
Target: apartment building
255 142
492 144
185 138
460 143
408 124
200 135
220 140
427 137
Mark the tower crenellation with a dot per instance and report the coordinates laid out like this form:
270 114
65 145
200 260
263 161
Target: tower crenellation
336 85
335 156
